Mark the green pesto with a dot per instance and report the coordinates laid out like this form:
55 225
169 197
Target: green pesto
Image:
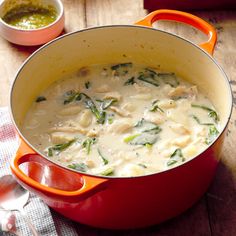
30 16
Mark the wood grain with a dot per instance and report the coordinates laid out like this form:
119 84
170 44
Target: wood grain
215 213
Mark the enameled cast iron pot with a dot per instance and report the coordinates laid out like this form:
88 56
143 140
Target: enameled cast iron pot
113 202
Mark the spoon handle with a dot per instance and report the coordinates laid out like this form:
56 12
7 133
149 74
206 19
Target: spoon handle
31 226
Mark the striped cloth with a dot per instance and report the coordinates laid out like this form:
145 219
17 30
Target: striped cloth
47 222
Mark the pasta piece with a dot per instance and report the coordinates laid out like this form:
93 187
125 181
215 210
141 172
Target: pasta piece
61 137
68 129
120 111
189 151
120 126
85 118
128 107
179 128
70 110
131 169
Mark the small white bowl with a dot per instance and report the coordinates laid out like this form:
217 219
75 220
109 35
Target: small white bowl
31 37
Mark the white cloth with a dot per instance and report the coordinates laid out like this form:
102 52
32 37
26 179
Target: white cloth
45 221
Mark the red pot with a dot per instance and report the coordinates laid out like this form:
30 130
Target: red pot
113 202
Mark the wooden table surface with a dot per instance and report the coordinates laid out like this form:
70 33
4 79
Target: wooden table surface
215 213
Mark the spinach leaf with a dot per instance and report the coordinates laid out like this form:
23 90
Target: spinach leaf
71 96
169 78
59 147
100 115
78 166
142 165
104 104
130 81
155 107
199 122
40 99
211 113
144 139
105 161
87 143
87 84
212 134
130 138
149 76
146 126
110 120
146 134
122 68
176 156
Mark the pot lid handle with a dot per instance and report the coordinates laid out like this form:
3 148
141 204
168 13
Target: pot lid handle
186 18
75 186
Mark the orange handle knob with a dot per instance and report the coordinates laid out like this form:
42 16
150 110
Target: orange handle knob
186 18
87 186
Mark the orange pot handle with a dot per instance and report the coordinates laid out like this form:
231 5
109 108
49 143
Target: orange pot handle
89 184
186 18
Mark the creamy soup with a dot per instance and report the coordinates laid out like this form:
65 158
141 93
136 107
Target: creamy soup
121 120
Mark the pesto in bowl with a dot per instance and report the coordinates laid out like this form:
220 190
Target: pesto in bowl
30 16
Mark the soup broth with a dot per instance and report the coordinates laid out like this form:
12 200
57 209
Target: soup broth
121 120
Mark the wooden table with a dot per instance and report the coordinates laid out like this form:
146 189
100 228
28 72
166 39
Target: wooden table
215 213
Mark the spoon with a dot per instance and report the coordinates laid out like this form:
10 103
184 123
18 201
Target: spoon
8 222
14 197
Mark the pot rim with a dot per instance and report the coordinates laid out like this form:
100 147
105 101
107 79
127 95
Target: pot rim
117 26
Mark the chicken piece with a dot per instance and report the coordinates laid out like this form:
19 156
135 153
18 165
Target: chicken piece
166 104
93 132
114 95
154 117
90 163
177 92
192 91
179 128
83 71
183 91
